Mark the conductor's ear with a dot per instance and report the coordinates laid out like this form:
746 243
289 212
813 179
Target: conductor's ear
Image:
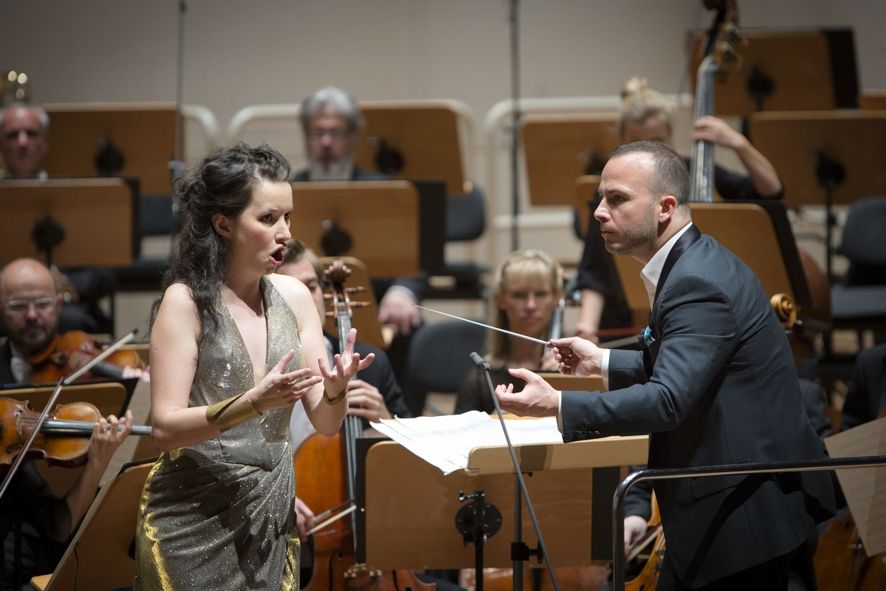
222 225
668 205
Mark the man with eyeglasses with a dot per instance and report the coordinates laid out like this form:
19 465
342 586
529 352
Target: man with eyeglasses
35 524
331 122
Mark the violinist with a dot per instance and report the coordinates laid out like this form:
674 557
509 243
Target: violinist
29 317
33 519
647 115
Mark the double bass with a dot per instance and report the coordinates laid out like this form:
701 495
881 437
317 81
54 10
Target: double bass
325 470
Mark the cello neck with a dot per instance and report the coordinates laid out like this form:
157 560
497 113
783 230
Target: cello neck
702 164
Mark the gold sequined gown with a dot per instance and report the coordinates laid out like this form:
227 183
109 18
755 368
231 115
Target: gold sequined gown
219 514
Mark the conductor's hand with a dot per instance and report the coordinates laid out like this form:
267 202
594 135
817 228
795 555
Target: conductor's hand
345 366
577 356
397 308
635 527
279 388
537 399
304 518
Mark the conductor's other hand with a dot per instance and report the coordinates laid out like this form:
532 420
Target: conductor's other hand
577 356
635 528
537 399
397 308
279 388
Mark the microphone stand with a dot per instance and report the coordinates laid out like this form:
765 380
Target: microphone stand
176 164
514 19
519 551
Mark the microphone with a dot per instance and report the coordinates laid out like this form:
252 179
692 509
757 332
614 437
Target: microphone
478 360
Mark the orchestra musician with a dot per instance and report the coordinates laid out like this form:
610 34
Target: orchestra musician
331 122
648 115
528 286
234 346
29 317
715 384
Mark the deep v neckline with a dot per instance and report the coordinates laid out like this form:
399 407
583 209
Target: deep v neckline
263 288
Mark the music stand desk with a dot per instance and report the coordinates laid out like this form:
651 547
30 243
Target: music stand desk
809 70
410 506
98 217
143 132
791 141
558 149
382 218
98 556
426 133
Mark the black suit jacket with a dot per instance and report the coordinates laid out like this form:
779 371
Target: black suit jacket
6 376
721 388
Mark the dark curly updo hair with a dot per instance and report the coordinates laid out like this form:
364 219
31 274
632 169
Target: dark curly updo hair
222 183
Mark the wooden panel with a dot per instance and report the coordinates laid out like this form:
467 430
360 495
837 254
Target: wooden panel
425 133
792 142
96 215
798 62
143 132
559 148
872 100
380 216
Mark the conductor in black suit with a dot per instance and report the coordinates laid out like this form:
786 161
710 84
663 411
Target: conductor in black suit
716 384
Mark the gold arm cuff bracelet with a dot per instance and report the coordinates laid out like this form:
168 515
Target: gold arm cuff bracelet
333 400
230 412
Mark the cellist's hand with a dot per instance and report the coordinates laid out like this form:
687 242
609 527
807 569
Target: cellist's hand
635 528
304 518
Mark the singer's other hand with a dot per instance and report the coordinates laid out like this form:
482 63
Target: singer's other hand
537 399
577 356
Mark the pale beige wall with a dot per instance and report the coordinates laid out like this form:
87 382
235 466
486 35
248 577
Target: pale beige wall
240 52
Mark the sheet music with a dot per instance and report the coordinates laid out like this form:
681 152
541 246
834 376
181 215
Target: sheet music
864 488
446 441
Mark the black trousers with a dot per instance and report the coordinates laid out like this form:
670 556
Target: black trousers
772 575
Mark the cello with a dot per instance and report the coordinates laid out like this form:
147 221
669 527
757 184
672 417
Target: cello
326 472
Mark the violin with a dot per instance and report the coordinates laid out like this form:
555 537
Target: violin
70 351
64 436
326 473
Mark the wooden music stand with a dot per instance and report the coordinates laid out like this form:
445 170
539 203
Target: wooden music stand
560 148
100 555
824 158
144 132
425 134
748 231
413 526
563 382
381 217
98 217
807 70
365 317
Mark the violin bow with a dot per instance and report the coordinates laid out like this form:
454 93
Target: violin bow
50 404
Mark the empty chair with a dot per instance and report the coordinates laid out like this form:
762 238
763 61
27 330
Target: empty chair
858 302
438 359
